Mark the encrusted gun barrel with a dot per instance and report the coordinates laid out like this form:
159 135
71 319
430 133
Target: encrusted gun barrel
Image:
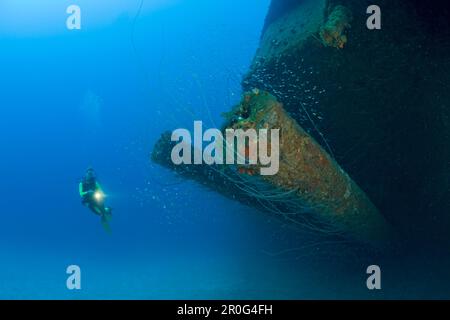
309 190
318 180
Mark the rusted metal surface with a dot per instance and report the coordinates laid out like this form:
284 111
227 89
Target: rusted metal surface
306 167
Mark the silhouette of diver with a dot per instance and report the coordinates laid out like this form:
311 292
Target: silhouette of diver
93 197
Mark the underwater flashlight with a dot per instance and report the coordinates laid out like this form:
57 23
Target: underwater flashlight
98 196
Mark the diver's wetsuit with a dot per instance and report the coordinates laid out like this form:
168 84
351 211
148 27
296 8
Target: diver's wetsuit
87 189
92 196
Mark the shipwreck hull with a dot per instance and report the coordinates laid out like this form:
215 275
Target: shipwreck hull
380 102
371 105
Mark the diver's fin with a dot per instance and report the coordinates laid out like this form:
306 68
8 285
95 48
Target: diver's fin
97 211
108 214
105 224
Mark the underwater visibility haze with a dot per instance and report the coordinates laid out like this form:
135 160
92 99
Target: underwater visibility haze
88 179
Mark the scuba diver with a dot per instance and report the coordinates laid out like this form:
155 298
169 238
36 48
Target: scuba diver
93 197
